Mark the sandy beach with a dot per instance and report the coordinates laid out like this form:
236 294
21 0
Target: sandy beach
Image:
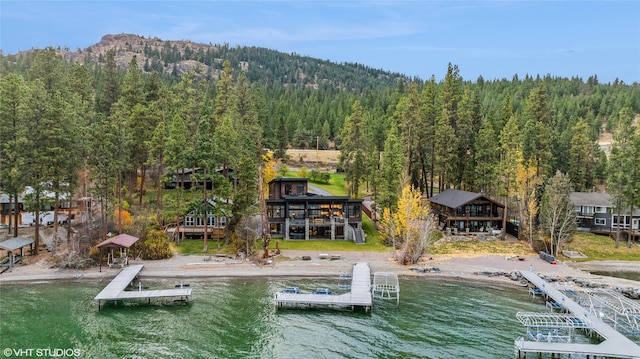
496 269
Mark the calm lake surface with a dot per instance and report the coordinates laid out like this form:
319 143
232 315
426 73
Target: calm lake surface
236 318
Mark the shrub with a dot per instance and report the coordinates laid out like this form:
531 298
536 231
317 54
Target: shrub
155 245
325 177
282 170
303 172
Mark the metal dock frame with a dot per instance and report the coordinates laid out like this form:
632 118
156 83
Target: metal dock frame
386 286
614 345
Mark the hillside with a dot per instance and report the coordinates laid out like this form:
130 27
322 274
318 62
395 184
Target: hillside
175 57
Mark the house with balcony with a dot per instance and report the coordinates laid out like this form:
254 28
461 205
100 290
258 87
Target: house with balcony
463 211
296 213
215 211
595 213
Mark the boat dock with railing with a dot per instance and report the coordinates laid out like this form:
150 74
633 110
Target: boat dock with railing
116 289
546 332
359 296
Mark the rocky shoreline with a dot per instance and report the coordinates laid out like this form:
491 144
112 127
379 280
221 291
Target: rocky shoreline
487 268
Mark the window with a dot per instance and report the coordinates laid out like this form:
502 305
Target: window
222 221
301 189
296 211
189 221
624 222
354 211
276 211
600 221
587 209
601 209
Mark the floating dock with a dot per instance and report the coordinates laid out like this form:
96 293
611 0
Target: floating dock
615 344
115 290
359 296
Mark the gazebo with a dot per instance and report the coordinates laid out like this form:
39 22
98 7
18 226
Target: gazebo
11 245
122 242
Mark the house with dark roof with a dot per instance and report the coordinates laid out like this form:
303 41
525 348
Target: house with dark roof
193 224
467 211
595 213
295 213
8 208
188 178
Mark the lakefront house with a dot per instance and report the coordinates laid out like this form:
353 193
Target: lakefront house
595 213
462 211
294 212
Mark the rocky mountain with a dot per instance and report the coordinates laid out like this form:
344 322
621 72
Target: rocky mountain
175 57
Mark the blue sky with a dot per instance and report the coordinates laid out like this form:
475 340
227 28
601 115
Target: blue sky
492 39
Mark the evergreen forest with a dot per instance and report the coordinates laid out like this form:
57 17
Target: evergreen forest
91 124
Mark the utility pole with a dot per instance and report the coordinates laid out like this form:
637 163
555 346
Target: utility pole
317 149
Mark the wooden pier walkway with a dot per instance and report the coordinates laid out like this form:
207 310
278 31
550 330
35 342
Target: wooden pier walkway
614 345
359 296
115 290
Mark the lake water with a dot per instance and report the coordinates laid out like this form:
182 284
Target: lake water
236 318
626 275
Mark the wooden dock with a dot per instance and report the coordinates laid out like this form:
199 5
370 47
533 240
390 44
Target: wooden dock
359 296
115 290
614 345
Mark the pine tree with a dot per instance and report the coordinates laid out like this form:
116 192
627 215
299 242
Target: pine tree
13 95
54 142
428 115
156 146
446 139
282 139
487 156
467 131
110 87
352 155
408 112
103 142
390 170
536 141
624 171
582 158
510 159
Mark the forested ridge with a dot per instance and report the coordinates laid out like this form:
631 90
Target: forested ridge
131 105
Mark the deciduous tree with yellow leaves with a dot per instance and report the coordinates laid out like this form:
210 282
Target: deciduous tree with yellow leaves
410 226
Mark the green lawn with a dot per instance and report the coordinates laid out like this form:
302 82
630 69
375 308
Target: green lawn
597 247
335 186
475 247
195 246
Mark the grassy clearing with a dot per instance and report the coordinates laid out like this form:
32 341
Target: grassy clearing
195 246
597 247
478 248
335 187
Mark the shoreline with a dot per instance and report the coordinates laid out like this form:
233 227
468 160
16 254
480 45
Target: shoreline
480 269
